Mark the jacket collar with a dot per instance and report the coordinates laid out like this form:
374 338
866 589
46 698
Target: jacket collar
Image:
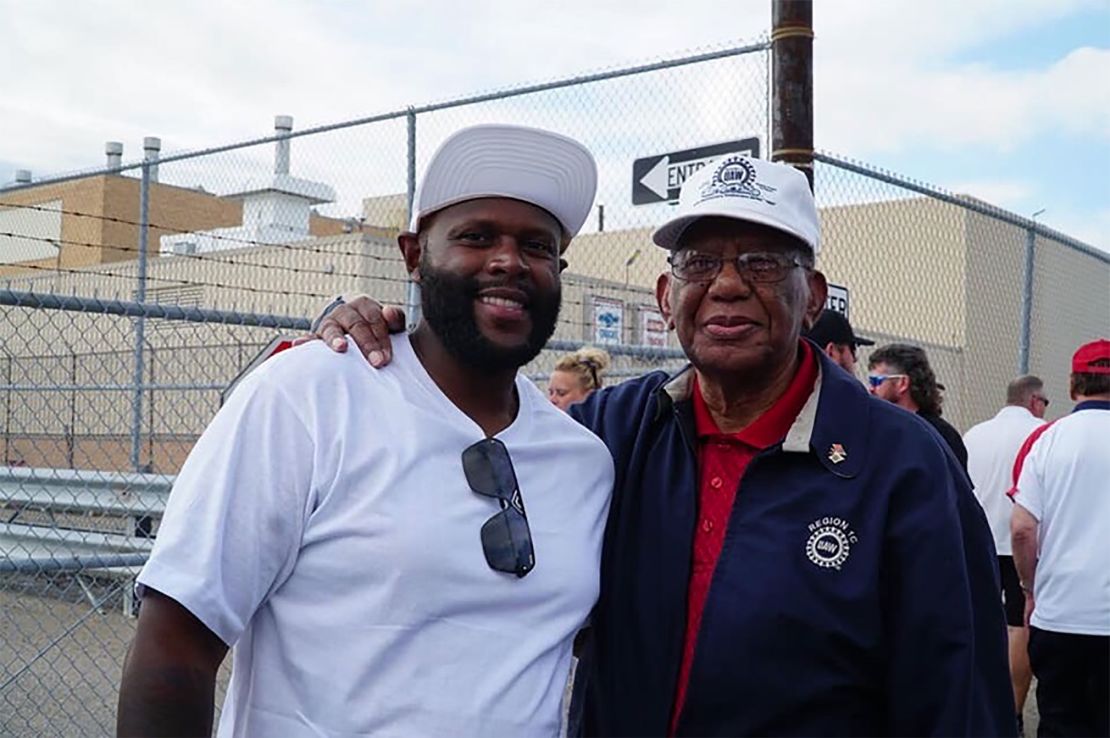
833 424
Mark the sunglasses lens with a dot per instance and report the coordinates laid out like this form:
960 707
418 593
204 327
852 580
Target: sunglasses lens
507 543
506 539
489 470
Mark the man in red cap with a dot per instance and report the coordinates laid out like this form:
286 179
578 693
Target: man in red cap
1061 515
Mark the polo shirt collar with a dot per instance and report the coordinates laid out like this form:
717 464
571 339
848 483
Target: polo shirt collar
833 424
1014 410
1092 405
839 422
770 427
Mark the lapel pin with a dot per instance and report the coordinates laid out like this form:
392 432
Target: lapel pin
837 453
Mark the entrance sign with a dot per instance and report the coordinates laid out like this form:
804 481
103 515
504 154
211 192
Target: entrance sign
658 178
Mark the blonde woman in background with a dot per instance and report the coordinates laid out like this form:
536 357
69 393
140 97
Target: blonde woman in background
576 375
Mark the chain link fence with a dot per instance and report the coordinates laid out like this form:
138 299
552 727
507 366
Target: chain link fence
988 294
136 294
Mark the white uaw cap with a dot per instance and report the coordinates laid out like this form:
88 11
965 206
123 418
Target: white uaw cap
753 190
539 167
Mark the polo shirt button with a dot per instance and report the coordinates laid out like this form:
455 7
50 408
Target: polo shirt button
707 525
715 482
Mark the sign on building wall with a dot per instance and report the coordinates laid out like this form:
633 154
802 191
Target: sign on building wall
608 319
653 328
838 300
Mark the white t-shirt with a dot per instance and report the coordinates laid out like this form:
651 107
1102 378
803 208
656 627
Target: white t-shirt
323 525
992 447
1065 485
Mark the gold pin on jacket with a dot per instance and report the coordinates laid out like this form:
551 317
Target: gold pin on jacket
837 453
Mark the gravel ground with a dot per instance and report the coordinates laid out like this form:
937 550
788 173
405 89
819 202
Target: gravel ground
60 662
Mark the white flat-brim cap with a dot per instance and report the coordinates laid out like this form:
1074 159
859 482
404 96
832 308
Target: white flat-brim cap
548 170
751 190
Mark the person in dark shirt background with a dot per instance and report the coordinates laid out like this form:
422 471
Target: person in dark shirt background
900 373
833 334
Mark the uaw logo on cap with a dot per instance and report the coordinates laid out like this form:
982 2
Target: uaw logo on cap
736 177
830 542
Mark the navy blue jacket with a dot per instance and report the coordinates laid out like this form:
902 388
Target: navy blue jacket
856 594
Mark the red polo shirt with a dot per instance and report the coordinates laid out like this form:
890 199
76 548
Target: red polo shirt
722 459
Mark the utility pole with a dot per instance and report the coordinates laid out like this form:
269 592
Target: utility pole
792 84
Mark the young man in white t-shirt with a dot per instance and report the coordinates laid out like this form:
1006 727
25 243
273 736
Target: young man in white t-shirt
1060 521
398 552
992 447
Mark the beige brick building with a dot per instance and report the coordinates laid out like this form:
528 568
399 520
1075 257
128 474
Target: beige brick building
918 270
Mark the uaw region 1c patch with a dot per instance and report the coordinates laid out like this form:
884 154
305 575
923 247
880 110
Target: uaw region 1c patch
830 542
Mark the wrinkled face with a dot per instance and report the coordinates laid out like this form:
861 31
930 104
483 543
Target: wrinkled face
891 389
489 276
565 388
733 325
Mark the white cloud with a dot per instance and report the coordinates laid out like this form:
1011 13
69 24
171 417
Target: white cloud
1090 227
207 72
878 32
895 105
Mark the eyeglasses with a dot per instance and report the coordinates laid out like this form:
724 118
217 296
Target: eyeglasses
1042 398
876 379
759 267
506 538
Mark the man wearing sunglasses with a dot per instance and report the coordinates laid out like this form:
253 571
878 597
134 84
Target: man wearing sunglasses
785 555
900 374
398 552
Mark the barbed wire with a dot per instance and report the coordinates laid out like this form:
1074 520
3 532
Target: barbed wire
178 282
172 231
181 282
210 259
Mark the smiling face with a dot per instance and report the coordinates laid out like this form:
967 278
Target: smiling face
731 326
489 276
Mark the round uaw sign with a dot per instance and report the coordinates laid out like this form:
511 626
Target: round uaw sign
830 542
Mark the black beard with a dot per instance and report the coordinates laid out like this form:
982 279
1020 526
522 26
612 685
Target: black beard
447 301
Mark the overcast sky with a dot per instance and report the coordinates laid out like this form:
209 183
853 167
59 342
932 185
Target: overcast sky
1007 100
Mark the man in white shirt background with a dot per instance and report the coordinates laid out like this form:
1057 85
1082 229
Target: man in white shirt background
1060 525
992 447
395 552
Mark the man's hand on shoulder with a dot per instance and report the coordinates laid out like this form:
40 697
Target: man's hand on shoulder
367 322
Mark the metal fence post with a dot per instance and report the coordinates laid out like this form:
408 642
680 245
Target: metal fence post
71 439
412 291
1027 301
8 414
151 146
792 85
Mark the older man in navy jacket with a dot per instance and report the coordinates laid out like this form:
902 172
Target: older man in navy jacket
785 555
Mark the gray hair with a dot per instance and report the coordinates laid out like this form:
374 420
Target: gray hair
1021 389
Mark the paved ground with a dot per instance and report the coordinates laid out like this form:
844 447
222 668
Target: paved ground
60 662
60 665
